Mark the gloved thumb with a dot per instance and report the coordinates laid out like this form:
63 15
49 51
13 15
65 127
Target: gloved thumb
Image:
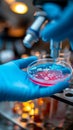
23 63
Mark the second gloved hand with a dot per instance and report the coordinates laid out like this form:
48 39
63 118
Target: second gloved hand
62 26
15 85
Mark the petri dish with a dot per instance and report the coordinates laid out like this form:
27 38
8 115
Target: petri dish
46 72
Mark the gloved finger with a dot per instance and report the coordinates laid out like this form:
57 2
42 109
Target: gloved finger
55 29
23 63
48 91
52 10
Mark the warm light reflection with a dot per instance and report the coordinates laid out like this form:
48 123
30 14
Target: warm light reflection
24 56
40 101
9 1
37 53
36 111
31 112
19 8
24 115
28 108
16 32
32 105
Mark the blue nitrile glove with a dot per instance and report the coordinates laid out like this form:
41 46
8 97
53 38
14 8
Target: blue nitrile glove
16 86
62 26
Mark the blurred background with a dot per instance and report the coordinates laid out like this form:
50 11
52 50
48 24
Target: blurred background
42 114
15 17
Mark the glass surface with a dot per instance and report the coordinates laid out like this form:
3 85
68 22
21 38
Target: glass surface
46 72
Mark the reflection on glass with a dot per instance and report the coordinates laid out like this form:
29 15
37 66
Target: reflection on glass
46 72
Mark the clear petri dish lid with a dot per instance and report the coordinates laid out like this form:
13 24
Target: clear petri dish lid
46 72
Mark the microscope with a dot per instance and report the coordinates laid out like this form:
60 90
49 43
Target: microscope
32 34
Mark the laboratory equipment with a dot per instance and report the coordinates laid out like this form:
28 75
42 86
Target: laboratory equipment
32 34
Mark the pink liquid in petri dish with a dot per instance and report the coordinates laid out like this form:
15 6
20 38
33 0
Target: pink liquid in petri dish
48 74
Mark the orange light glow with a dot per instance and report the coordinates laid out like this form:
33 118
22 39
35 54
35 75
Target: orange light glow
32 105
36 111
24 56
24 115
31 112
37 53
19 8
40 101
16 32
26 109
9 1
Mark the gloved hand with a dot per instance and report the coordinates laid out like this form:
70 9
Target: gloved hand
16 86
62 26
